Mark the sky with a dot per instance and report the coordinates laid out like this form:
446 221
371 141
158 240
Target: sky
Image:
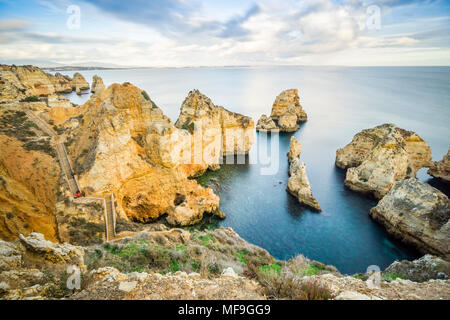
179 33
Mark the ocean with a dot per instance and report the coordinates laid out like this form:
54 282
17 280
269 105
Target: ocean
340 102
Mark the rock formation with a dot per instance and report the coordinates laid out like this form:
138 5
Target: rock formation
126 145
426 268
441 169
287 113
266 124
58 101
97 84
217 131
378 157
18 82
29 176
298 183
79 83
417 214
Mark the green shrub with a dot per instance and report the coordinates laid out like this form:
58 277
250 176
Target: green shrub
145 95
207 240
391 276
30 99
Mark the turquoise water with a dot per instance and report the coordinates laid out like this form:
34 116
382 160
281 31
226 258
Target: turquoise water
340 102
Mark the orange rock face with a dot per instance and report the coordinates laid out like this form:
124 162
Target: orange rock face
126 145
28 188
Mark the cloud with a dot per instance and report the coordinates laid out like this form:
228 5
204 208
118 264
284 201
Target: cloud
13 25
179 32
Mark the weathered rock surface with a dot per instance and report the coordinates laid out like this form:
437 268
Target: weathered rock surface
58 101
18 82
266 124
126 145
115 285
78 82
426 268
378 157
32 267
97 84
216 130
29 177
350 288
441 169
286 115
52 253
298 183
417 214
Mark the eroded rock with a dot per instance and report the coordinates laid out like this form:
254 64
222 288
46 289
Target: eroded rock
286 115
378 157
298 183
441 169
418 214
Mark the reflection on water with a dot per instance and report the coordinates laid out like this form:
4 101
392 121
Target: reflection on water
340 102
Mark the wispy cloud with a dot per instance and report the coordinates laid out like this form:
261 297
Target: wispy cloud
181 32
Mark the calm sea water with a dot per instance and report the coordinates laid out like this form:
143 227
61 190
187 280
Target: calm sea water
340 102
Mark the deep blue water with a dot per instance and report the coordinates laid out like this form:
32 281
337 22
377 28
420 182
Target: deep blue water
340 102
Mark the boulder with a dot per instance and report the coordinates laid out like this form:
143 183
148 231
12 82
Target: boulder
378 157
298 182
441 169
51 252
418 214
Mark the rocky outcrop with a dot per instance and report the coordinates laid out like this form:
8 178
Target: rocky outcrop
29 176
266 123
52 253
350 288
217 131
441 169
378 157
97 84
426 268
287 113
58 101
126 145
298 183
417 214
79 83
110 284
18 82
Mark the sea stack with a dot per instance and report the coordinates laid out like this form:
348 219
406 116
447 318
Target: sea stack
378 157
298 183
287 113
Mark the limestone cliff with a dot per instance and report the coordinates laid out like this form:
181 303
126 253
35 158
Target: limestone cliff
418 214
378 157
29 177
120 147
441 169
215 130
18 82
287 113
298 183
